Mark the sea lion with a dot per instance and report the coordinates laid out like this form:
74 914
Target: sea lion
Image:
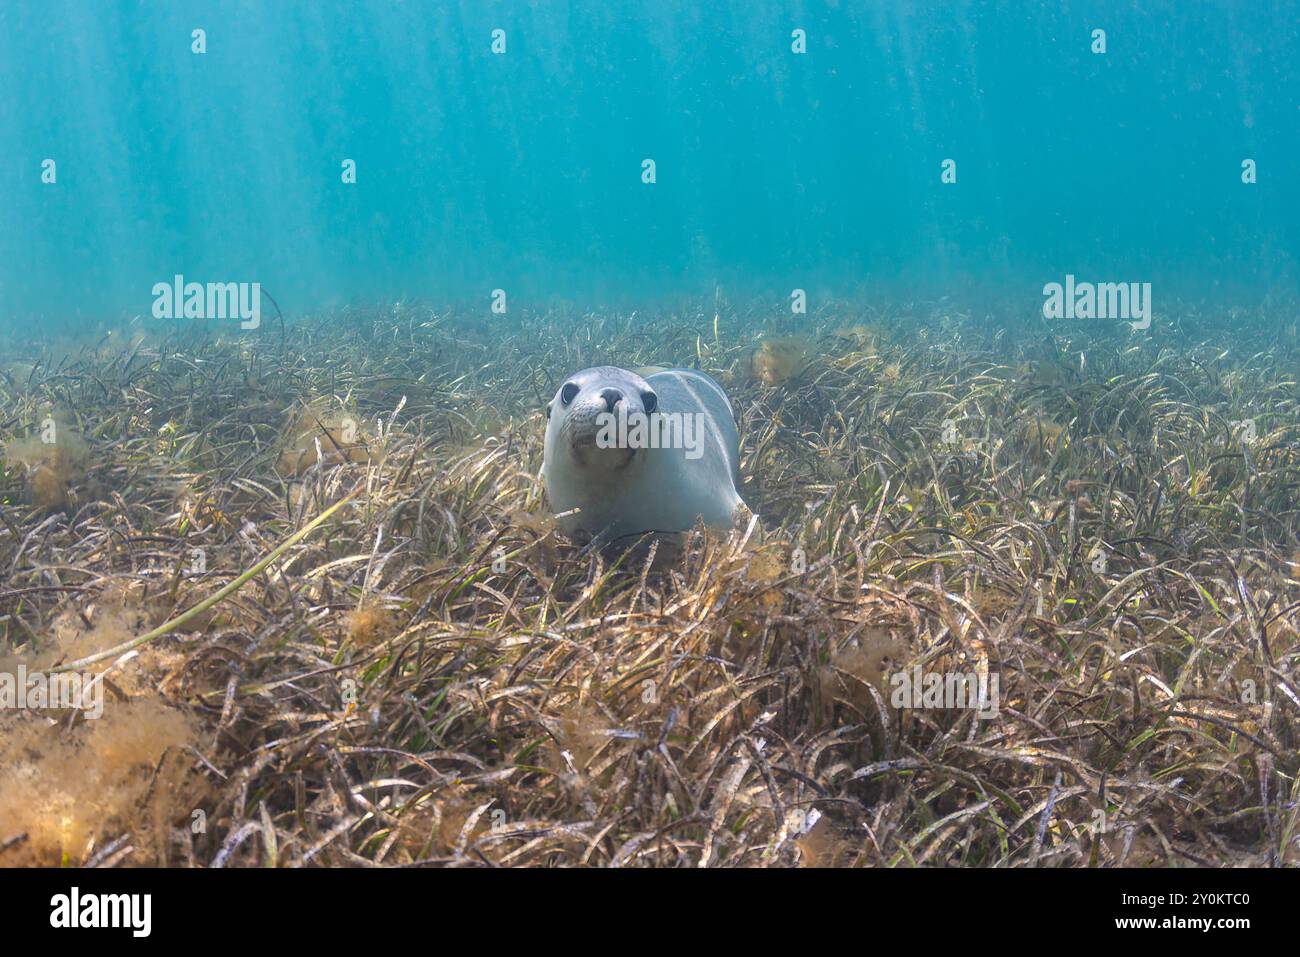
626 455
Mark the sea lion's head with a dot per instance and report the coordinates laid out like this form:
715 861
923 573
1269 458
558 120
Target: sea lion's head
579 417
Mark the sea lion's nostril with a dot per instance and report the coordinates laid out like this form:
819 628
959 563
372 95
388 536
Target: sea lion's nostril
612 397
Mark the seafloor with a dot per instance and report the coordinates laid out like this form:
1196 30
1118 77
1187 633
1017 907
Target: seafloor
1105 520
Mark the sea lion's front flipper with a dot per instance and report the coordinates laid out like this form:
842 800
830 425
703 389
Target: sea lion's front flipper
742 516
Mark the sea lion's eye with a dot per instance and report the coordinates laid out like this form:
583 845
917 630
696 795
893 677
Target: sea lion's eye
649 401
568 393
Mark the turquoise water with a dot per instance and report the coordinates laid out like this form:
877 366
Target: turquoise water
523 170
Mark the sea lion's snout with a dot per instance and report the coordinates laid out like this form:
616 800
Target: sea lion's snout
592 440
590 407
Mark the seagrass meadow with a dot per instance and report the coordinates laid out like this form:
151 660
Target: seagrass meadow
337 626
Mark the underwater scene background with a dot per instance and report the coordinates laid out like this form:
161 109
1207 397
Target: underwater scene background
522 169
1003 297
